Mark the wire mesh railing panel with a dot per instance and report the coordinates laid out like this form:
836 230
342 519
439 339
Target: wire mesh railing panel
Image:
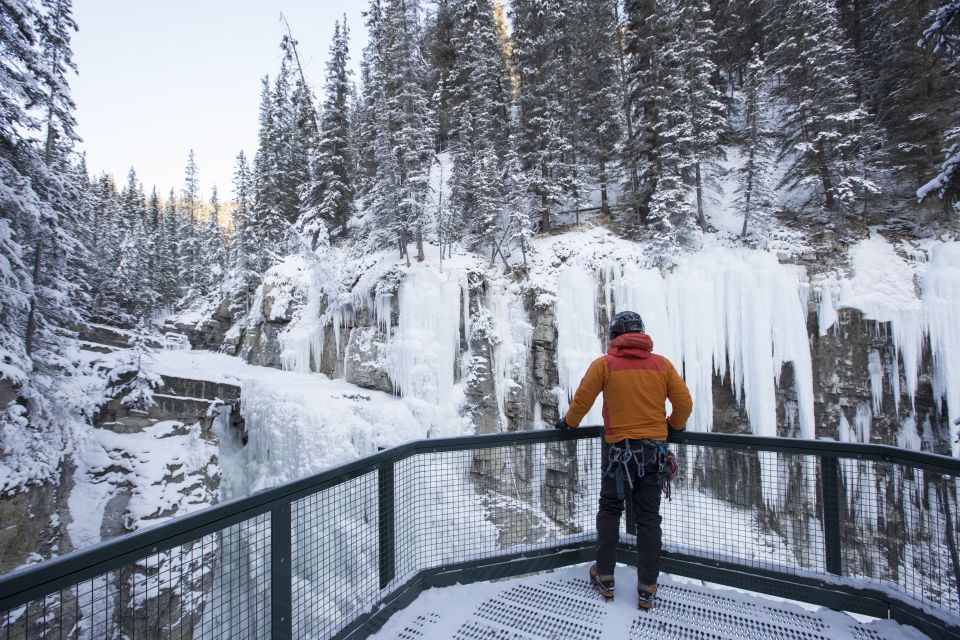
880 528
335 552
459 506
899 528
753 508
212 587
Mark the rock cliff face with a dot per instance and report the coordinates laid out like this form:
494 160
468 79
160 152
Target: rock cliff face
849 362
859 395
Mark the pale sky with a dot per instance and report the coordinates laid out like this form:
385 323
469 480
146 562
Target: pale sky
159 77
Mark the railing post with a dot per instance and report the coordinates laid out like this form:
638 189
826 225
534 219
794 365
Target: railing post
281 577
830 499
386 522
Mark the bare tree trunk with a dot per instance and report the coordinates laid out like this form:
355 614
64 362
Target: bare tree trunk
628 118
701 218
749 193
825 175
30 338
604 198
420 254
544 209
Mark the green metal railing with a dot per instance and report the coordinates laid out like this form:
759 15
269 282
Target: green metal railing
863 528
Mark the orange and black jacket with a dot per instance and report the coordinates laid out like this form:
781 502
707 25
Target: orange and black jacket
636 384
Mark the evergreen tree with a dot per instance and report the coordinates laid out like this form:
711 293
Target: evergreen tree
38 201
823 121
754 196
403 125
942 37
188 246
243 248
596 90
132 379
268 221
169 257
479 90
213 256
680 109
541 62
328 203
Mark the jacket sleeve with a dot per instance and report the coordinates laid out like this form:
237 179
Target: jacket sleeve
590 387
679 396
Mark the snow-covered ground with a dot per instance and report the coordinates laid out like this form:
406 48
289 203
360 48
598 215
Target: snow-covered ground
562 605
301 423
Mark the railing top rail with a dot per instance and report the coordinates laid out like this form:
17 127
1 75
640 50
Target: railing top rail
26 583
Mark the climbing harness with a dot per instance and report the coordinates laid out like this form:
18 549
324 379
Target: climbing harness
622 460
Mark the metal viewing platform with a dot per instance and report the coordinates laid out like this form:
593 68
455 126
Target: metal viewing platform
562 605
861 528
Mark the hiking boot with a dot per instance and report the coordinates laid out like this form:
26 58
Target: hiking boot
602 583
645 595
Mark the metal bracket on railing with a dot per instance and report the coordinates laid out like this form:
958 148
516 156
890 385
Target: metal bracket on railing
281 575
830 501
386 521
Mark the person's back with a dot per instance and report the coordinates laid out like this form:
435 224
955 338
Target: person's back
636 383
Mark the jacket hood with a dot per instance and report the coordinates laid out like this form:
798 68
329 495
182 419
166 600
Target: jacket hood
631 345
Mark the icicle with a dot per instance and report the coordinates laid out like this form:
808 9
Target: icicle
826 309
427 340
862 423
882 288
875 367
941 310
895 382
383 309
578 343
513 335
302 343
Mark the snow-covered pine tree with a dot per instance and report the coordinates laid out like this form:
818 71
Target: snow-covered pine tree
754 196
679 108
822 118
169 257
243 249
132 379
370 101
441 54
540 42
304 132
213 250
479 93
705 109
109 221
81 262
942 37
267 220
518 231
643 38
288 173
405 127
153 250
38 202
188 244
328 201
130 282
596 90
942 34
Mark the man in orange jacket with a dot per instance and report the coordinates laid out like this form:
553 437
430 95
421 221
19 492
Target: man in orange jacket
636 384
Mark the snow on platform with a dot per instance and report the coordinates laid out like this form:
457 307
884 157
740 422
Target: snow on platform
563 606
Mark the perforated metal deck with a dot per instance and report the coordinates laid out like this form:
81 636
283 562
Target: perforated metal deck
563 606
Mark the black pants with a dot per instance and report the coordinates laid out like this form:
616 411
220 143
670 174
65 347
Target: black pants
646 509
